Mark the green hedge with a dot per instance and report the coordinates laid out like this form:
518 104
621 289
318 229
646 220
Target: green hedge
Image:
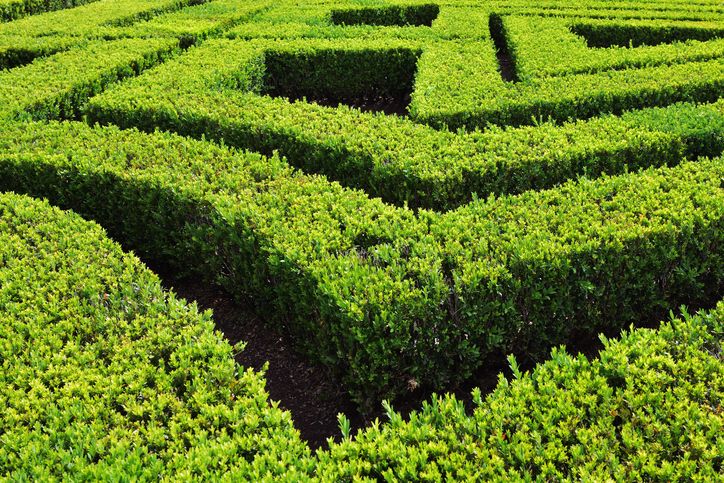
89 20
377 293
647 408
57 87
635 34
579 96
193 24
15 9
16 51
201 94
622 11
105 376
340 74
546 47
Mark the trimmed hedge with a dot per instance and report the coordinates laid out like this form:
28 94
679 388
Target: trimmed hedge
57 87
15 9
16 51
107 376
635 34
104 376
400 15
546 47
340 74
201 94
194 24
379 294
579 96
647 408
88 20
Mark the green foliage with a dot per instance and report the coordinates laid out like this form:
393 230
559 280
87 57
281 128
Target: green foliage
14 9
375 292
547 47
105 376
575 200
16 51
91 19
635 34
648 408
57 87
124 380
339 74
201 94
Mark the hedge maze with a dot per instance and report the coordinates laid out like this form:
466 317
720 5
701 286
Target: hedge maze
408 189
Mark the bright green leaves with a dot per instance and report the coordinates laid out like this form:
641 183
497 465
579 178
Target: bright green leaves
105 374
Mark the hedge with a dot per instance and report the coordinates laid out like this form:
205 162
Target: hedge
634 34
400 15
88 20
546 47
578 96
15 9
58 86
105 376
375 292
193 24
597 10
647 408
16 51
212 90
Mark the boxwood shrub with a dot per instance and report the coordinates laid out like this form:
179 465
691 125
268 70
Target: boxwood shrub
105 376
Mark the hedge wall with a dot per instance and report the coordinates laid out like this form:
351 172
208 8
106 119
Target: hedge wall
104 376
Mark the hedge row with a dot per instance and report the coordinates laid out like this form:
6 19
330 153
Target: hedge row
634 12
15 9
634 34
647 409
293 21
387 156
340 74
194 23
381 295
88 20
16 51
57 87
105 376
400 15
476 104
545 47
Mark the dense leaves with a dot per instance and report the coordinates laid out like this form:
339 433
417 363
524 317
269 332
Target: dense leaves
378 293
103 375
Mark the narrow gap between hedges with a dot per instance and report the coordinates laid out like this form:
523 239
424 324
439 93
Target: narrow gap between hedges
506 63
308 390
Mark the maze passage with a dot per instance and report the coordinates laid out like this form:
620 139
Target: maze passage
410 191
